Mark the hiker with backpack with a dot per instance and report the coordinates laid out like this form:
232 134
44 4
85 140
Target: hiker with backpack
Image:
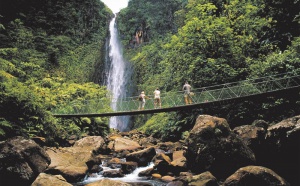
142 100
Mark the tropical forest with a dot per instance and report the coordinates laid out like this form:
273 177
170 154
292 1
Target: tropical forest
55 52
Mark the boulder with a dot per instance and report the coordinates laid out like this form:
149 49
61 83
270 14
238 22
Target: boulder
70 162
255 175
250 134
50 180
156 176
142 157
280 151
167 178
148 141
93 164
286 128
212 146
203 179
261 123
115 163
90 143
169 147
146 173
21 161
162 164
253 136
118 144
179 161
95 169
117 173
126 167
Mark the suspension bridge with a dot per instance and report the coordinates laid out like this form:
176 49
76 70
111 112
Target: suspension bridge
173 101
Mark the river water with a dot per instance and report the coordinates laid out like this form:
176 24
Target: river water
132 178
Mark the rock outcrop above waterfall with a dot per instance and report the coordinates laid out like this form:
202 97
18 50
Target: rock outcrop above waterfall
212 154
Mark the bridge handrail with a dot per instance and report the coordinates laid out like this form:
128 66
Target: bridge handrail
214 87
203 94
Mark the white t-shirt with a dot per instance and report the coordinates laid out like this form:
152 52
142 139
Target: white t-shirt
156 94
187 88
143 96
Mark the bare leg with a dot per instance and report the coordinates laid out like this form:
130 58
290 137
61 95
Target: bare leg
190 100
186 100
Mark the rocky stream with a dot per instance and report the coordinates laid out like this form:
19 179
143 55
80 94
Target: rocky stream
213 154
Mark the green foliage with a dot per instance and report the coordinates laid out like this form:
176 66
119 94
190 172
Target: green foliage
79 20
47 46
149 61
99 126
21 36
279 62
22 110
208 46
86 121
85 126
49 51
68 97
156 124
155 18
79 64
215 42
168 126
5 126
185 135
286 24
24 64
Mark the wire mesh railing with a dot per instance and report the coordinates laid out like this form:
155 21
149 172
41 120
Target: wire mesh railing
176 99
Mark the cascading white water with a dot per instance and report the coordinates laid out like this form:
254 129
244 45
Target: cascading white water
129 178
117 77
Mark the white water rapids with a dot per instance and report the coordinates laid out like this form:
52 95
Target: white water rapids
133 177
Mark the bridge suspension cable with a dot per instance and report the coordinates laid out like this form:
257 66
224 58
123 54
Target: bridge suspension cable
172 101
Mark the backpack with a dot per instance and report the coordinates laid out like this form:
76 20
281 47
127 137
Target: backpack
140 97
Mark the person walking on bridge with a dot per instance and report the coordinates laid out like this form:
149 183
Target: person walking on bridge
187 90
157 101
142 100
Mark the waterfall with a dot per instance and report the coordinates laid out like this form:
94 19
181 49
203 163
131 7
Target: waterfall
119 72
